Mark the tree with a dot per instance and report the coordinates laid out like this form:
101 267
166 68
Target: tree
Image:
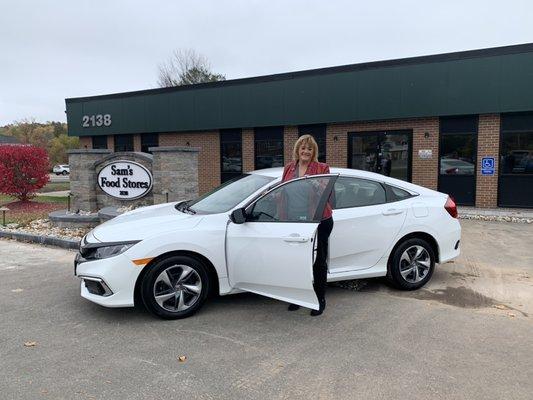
58 147
23 170
51 136
186 67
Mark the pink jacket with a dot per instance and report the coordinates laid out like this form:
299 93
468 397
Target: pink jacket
314 168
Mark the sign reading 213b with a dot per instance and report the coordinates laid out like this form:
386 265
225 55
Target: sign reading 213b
126 180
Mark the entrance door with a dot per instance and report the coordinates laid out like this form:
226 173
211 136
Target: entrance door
515 183
384 152
272 253
457 158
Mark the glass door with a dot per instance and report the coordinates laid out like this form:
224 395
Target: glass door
457 158
515 183
396 155
383 152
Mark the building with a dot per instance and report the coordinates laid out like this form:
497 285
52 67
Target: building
4 139
431 120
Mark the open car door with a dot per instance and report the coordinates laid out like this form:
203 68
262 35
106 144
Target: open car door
272 252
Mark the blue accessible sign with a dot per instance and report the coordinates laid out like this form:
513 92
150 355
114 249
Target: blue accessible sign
487 166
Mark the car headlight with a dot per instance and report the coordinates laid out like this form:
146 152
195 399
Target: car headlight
102 251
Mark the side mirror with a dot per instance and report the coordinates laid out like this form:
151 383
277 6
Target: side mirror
238 216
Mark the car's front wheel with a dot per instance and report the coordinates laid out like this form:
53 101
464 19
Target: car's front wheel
175 287
411 265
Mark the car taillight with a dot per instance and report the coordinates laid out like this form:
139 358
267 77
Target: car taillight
451 207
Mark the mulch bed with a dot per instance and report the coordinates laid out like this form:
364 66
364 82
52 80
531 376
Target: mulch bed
25 211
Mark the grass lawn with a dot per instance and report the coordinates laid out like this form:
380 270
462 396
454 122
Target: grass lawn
22 212
55 187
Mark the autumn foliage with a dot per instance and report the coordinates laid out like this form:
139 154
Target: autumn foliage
23 170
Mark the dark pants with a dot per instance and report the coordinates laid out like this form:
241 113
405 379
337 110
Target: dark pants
320 267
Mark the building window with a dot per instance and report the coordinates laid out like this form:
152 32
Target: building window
99 142
458 145
149 140
268 147
319 133
230 154
517 153
516 144
123 143
457 154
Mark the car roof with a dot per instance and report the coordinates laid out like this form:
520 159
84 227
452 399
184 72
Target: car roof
357 173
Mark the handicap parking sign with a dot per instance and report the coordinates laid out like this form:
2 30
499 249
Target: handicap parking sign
487 166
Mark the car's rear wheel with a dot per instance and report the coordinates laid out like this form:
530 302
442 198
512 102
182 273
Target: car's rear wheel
64 172
411 265
175 287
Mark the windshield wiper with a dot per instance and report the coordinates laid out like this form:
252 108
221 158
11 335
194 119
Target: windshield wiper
184 207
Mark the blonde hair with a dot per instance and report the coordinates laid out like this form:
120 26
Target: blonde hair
308 140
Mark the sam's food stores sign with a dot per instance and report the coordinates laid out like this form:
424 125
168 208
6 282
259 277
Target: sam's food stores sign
125 180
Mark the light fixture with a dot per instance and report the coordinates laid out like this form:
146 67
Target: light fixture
335 138
426 135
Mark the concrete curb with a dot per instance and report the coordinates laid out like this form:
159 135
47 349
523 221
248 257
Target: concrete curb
48 240
62 219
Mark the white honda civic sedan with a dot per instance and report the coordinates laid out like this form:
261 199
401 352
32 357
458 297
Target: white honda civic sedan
256 234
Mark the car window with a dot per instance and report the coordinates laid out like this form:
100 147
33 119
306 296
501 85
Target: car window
397 194
296 201
356 192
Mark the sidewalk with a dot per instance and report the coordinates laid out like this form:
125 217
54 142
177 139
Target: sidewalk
60 193
497 214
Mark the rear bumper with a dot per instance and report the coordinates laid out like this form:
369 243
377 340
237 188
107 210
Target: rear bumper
450 242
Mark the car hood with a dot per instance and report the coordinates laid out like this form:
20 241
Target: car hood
145 222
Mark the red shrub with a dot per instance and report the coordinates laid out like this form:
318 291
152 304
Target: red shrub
23 170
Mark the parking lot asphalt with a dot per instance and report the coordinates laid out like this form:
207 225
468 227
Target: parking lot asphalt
467 335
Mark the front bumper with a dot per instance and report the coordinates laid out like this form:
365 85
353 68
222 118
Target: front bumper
117 273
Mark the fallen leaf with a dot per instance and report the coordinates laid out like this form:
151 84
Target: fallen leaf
30 344
512 315
500 307
18 290
182 358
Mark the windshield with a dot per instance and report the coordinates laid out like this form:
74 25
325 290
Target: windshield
228 195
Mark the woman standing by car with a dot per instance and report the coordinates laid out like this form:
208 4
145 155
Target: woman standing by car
305 162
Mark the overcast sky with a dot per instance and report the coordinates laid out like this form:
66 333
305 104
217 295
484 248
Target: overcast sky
55 49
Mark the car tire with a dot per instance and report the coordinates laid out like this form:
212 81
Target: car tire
411 264
175 287
57 173
64 172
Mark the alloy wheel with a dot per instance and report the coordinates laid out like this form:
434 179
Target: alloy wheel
415 264
177 288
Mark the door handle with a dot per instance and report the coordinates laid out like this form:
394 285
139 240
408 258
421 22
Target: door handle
295 239
392 211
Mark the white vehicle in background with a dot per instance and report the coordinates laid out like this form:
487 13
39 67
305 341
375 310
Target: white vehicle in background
452 166
240 238
61 169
